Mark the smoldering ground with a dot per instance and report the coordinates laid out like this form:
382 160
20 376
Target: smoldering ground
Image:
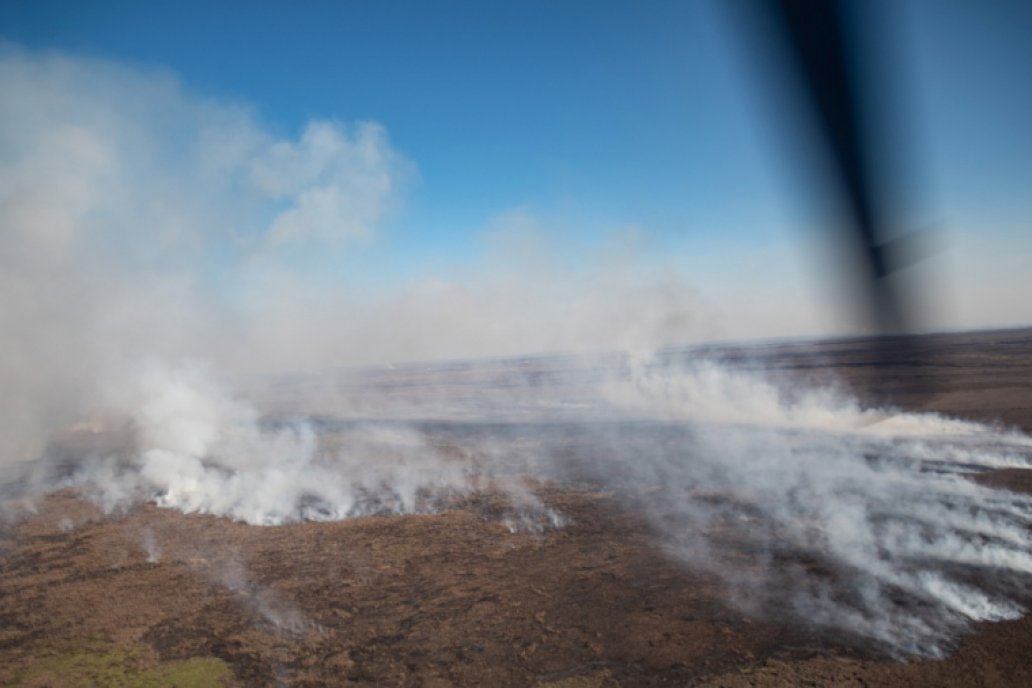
160 264
861 520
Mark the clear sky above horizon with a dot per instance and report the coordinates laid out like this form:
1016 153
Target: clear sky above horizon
588 118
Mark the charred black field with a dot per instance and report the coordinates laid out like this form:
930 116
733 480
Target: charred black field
597 566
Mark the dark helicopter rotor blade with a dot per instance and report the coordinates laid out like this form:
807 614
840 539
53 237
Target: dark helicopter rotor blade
818 48
823 53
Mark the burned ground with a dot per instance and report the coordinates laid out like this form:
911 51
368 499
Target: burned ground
458 598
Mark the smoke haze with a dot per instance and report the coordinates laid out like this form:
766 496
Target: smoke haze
164 282
144 223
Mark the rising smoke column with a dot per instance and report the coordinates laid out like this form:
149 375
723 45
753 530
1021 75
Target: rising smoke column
150 260
865 521
144 223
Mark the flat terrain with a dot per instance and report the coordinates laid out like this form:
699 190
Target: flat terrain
151 596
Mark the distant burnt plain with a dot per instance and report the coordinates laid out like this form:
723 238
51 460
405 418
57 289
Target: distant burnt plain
571 587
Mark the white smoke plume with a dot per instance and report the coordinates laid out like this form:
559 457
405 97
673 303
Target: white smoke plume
162 255
143 224
150 546
127 204
856 519
227 570
852 518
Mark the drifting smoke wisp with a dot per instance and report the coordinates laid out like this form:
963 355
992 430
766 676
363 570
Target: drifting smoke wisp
144 224
144 228
850 518
860 520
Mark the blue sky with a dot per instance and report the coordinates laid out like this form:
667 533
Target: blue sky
590 117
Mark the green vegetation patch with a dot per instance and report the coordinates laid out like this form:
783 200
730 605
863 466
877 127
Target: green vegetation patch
111 667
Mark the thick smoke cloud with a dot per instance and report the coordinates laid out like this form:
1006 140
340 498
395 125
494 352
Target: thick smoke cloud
144 224
161 300
126 202
859 520
849 518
